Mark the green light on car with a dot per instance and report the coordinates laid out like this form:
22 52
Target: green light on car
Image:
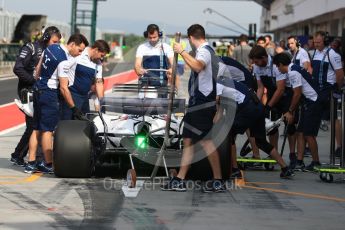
141 142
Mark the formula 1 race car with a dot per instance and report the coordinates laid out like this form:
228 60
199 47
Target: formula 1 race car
134 126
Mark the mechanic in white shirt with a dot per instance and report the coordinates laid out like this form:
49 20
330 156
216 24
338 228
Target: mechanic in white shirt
152 57
269 77
300 56
86 72
198 121
56 61
311 111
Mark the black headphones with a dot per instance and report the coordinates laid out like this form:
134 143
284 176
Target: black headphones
151 28
326 38
298 43
49 31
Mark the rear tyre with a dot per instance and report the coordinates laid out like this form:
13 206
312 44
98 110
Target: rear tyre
73 150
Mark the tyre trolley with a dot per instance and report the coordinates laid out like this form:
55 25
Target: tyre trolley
335 166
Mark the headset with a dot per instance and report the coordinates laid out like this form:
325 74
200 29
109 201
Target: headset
326 37
48 32
152 27
298 43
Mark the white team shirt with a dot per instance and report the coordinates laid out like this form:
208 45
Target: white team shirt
146 49
302 56
266 71
84 60
297 80
205 75
230 93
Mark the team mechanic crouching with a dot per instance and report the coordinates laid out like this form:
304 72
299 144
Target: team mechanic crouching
279 92
249 115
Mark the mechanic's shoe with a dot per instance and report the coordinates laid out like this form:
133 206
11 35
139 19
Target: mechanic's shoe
286 173
214 186
17 161
257 165
245 152
31 168
324 126
45 168
313 166
236 174
175 184
300 166
337 152
307 152
293 160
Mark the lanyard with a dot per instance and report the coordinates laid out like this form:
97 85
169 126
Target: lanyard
295 57
321 68
161 63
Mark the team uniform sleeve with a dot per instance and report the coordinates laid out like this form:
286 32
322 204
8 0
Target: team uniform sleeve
295 79
140 51
64 68
335 59
220 88
204 56
99 71
304 57
22 61
168 50
277 74
255 72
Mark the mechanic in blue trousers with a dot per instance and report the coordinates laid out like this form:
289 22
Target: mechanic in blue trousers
154 54
249 115
75 86
26 62
198 121
56 61
311 109
328 74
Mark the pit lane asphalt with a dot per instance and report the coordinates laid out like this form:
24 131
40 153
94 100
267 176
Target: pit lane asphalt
264 201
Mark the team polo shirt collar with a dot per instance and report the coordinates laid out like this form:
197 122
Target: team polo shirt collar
322 51
66 51
156 46
202 46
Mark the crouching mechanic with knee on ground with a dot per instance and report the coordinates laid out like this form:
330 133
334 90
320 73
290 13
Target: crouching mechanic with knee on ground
56 61
75 86
249 115
311 110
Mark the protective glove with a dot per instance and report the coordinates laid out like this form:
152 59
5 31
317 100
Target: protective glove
77 114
